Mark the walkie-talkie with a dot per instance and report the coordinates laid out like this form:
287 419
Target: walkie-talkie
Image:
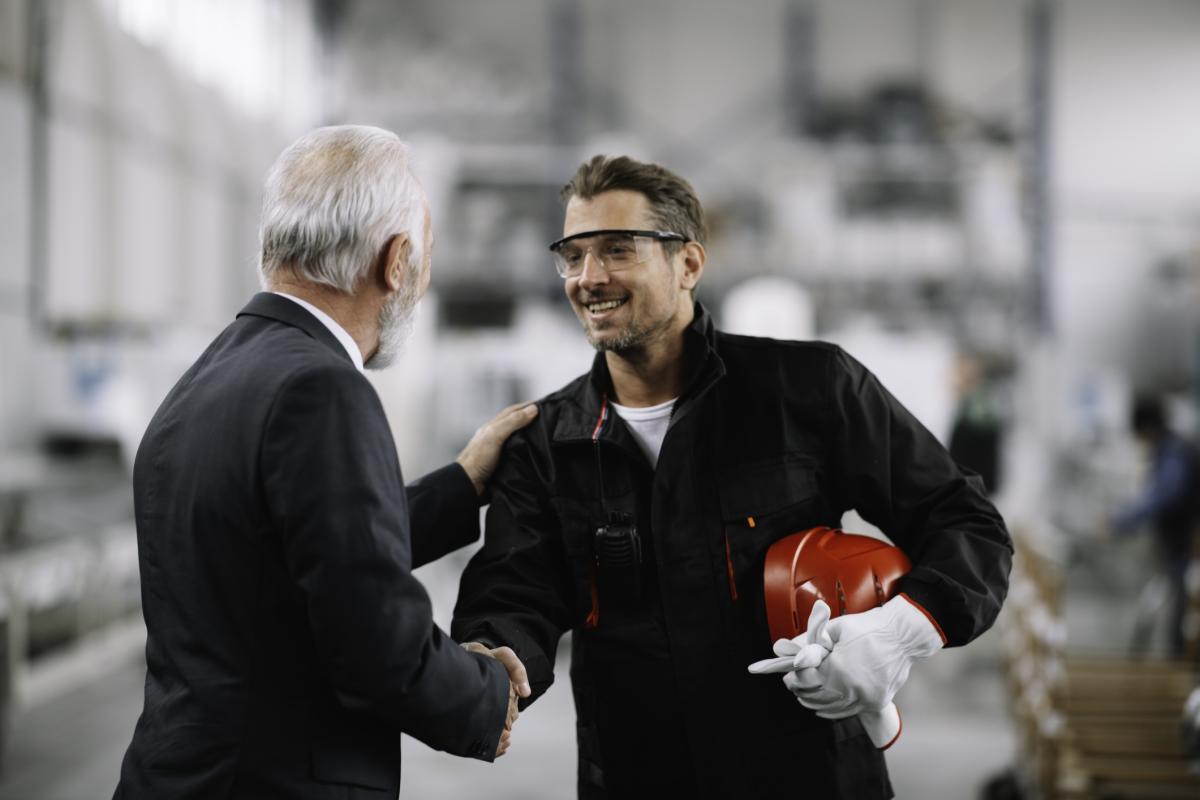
617 545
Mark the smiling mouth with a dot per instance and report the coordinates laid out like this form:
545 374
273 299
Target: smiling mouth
600 306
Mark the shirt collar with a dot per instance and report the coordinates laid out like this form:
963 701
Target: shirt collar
337 330
704 368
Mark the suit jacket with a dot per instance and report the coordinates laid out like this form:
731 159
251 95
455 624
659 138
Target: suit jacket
288 642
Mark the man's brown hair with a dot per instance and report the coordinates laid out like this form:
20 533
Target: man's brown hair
673 202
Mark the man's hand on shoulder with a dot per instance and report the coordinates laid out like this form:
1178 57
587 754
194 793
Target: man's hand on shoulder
481 454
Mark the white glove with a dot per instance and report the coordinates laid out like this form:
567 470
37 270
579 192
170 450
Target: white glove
869 661
803 652
798 657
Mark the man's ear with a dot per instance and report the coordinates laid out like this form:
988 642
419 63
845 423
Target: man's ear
693 257
395 261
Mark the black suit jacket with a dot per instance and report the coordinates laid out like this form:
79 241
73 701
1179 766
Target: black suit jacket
289 644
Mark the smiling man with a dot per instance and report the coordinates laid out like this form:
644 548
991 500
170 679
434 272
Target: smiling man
637 509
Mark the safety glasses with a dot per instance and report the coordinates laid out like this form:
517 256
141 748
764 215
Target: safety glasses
611 249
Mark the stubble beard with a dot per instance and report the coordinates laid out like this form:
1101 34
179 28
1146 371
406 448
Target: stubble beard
628 339
632 337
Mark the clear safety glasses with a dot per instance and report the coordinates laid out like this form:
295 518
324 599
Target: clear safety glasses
613 250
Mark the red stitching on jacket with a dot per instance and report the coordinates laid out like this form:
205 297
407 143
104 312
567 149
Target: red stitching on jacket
729 566
593 617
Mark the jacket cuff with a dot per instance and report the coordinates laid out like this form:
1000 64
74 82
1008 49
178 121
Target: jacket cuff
454 474
484 746
500 633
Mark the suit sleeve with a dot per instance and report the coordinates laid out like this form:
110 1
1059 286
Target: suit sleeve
900 478
444 509
517 589
329 475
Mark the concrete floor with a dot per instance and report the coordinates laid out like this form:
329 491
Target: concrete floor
68 741
69 746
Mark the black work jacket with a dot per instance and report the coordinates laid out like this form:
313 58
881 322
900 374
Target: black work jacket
768 438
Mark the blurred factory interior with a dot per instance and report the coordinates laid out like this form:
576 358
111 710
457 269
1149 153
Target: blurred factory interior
994 204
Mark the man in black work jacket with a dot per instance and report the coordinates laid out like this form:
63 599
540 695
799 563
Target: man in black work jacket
637 510
289 643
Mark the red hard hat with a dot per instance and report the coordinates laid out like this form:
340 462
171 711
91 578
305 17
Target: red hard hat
851 573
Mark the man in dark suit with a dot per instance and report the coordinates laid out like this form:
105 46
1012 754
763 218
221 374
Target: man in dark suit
289 644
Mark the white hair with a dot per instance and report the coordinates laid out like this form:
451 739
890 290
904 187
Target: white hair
332 201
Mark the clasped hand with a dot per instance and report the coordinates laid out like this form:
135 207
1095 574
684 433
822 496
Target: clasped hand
518 686
855 663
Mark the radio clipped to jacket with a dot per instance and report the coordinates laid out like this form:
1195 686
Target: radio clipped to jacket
616 543
618 549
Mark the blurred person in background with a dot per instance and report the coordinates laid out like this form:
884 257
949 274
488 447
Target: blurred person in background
289 644
976 436
637 510
1169 503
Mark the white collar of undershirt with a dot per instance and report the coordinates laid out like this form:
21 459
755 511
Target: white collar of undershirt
329 322
641 413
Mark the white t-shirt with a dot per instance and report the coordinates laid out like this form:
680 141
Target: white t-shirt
648 425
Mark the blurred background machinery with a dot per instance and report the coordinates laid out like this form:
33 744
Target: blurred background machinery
994 204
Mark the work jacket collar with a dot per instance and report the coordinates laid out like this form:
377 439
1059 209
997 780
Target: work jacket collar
272 306
704 367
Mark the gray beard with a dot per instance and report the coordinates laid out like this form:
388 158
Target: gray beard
395 325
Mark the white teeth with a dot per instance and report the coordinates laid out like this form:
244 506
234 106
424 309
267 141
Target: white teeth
605 306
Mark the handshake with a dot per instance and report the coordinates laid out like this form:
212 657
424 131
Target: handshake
518 685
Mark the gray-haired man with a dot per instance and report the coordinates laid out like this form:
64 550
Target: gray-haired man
289 644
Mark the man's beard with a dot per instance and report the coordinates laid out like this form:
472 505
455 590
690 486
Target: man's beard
395 324
633 336
629 338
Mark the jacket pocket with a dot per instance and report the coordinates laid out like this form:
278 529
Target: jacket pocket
760 503
765 488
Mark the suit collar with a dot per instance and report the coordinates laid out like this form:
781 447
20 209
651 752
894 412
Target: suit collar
333 326
269 305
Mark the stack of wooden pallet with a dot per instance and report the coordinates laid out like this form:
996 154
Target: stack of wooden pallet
1094 726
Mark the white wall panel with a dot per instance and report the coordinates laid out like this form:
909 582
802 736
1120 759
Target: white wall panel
13 16
207 294
80 210
704 73
861 42
1126 174
977 54
81 42
1128 95
146 93
147 257
208 297
80 225
14 185
149 184
16 361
